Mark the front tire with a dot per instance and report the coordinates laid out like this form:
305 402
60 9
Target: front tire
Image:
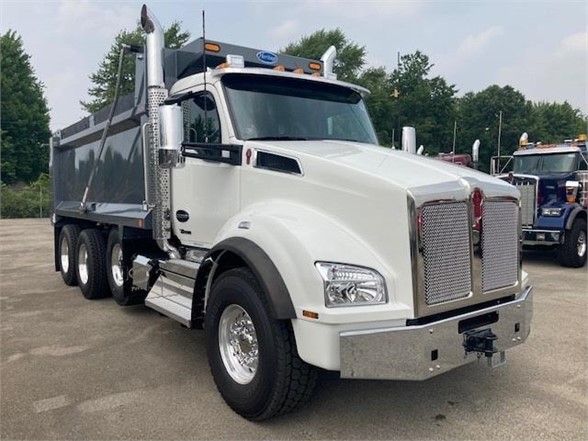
67 252
572 253
91 265
253 358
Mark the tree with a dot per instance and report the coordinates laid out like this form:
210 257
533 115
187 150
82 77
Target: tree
428 104
479 118
104 79
350 56
554 122
24 126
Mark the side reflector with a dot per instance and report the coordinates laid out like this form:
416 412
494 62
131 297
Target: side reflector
211 47
310 314
314 66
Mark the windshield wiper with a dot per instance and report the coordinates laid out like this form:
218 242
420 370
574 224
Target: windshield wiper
278 138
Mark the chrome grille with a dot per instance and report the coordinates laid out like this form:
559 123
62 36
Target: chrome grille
500 237
445 240
527 190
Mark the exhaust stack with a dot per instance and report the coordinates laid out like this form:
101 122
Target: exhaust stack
158 176
409 139
155 44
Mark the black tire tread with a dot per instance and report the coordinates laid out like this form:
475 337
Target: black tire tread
296 379
126 296
567 254
97 286
72 233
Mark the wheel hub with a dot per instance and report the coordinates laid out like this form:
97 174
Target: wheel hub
83 264
581 245
64 254
116 265
238 344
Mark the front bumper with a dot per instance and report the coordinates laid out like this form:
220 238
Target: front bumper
421 352
542 237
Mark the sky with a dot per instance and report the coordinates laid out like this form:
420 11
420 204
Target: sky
540 48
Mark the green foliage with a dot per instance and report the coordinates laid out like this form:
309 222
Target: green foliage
553 122
350 56
104 79
24 126
409 97
33 200
479 118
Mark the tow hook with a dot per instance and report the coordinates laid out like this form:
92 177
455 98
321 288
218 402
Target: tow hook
482 343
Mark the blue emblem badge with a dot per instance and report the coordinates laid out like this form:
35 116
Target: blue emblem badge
267 57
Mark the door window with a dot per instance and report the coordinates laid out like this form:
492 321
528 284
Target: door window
201 120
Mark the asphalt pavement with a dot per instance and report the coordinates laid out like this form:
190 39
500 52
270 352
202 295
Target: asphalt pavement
90 370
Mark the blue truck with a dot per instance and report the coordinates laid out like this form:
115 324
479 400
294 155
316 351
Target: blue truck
553 181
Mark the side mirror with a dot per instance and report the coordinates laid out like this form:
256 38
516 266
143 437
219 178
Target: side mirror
171 134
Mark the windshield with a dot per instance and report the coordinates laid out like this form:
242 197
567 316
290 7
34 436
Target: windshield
265 107
544 164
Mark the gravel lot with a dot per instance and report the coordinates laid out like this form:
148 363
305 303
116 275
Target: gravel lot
75 369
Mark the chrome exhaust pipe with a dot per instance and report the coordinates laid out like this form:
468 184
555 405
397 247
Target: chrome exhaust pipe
155 44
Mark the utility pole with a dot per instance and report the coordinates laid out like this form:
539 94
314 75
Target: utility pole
454 134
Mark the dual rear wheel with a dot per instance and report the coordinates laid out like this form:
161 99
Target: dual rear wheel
96 264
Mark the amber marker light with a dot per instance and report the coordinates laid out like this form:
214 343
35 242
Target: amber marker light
314 66
310 314
212 47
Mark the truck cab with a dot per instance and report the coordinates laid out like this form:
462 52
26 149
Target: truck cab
553 181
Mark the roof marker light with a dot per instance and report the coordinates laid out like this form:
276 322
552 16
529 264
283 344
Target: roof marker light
212 47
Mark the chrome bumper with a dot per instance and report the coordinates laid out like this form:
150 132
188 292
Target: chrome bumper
421 352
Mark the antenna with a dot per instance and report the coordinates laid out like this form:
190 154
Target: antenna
205 126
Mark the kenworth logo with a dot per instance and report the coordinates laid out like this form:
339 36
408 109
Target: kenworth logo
267 57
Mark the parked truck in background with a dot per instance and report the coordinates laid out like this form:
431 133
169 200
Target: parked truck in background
553 181
243 192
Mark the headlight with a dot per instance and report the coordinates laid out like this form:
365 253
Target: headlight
551 211
348 285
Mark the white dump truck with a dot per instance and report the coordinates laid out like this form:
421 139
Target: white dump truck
243 192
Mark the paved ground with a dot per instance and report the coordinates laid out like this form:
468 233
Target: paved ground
75 369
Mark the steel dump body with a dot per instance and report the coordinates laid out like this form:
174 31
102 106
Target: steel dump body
118 191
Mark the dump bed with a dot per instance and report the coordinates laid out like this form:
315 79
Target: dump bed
118 191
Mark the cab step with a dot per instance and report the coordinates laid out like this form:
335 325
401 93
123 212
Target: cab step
171 294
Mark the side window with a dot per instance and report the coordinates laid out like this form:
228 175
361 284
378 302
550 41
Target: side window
201 120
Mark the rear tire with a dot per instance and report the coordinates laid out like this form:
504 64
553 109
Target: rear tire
253 358
572 253
117 271
91 265
67 253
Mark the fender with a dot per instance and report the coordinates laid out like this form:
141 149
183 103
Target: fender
573 214
261 265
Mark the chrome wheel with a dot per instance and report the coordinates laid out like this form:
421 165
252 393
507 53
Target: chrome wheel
64 254
116 265
83 264
581 244
237 342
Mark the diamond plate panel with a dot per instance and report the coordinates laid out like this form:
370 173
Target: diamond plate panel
500 244
446 249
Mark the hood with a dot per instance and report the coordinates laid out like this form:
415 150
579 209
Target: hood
396 167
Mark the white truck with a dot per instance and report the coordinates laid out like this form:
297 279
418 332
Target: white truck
244 193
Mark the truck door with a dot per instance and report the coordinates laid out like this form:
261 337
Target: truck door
205 193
